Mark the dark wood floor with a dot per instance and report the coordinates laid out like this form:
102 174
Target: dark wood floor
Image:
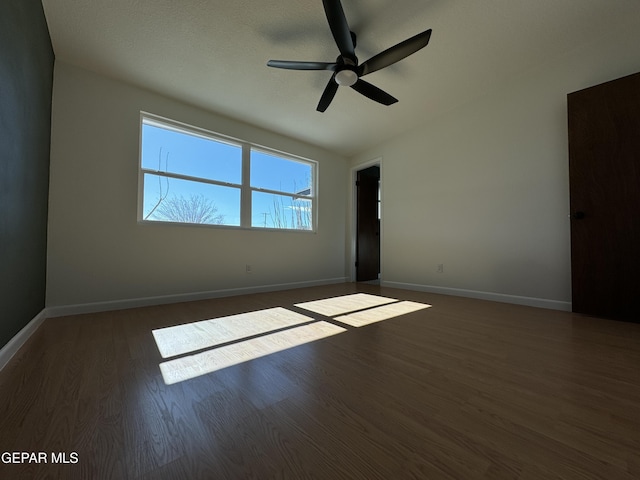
467 389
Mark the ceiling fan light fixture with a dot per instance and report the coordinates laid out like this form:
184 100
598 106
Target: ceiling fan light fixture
346 78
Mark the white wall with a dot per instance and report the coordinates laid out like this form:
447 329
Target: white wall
485 189
97 252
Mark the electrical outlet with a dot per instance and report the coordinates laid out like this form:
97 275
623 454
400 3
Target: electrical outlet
440 268
249 268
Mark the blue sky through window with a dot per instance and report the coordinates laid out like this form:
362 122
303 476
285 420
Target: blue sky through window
280 211
193 155
166 150
276 173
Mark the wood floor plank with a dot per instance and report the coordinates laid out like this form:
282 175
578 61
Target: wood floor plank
466 389
98 434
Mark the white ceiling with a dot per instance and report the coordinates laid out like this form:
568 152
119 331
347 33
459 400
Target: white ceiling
213 54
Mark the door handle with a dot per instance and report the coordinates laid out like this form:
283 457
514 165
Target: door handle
578 215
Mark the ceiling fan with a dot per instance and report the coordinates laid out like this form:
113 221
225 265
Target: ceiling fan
346 70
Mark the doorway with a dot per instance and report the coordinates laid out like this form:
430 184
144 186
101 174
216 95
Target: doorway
368 207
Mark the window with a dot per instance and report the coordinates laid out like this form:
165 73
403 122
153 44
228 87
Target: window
281 192
188 175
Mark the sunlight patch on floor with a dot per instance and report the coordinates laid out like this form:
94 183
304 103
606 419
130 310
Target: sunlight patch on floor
181 339
345 304
361 309
247 336
378 314
185 368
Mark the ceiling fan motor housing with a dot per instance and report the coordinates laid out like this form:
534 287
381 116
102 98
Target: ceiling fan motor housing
346 74
346 77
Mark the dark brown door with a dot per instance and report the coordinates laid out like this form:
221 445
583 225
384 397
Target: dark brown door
604 172
368 225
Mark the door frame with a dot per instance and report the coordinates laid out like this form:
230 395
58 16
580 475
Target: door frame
353 211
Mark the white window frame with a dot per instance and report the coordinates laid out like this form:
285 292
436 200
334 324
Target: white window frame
246 190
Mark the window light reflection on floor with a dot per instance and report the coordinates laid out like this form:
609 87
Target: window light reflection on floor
345 304
189 337
378 314
361 309
185 368
247 336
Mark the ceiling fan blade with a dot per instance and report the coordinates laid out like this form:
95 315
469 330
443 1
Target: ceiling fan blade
373 92
339 27
293 65
328 94
395 53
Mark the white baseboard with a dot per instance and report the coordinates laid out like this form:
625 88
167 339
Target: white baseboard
494 297
11 348
59 311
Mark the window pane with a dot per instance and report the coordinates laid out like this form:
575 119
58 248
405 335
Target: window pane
283 175
280 211
167 150
182 201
